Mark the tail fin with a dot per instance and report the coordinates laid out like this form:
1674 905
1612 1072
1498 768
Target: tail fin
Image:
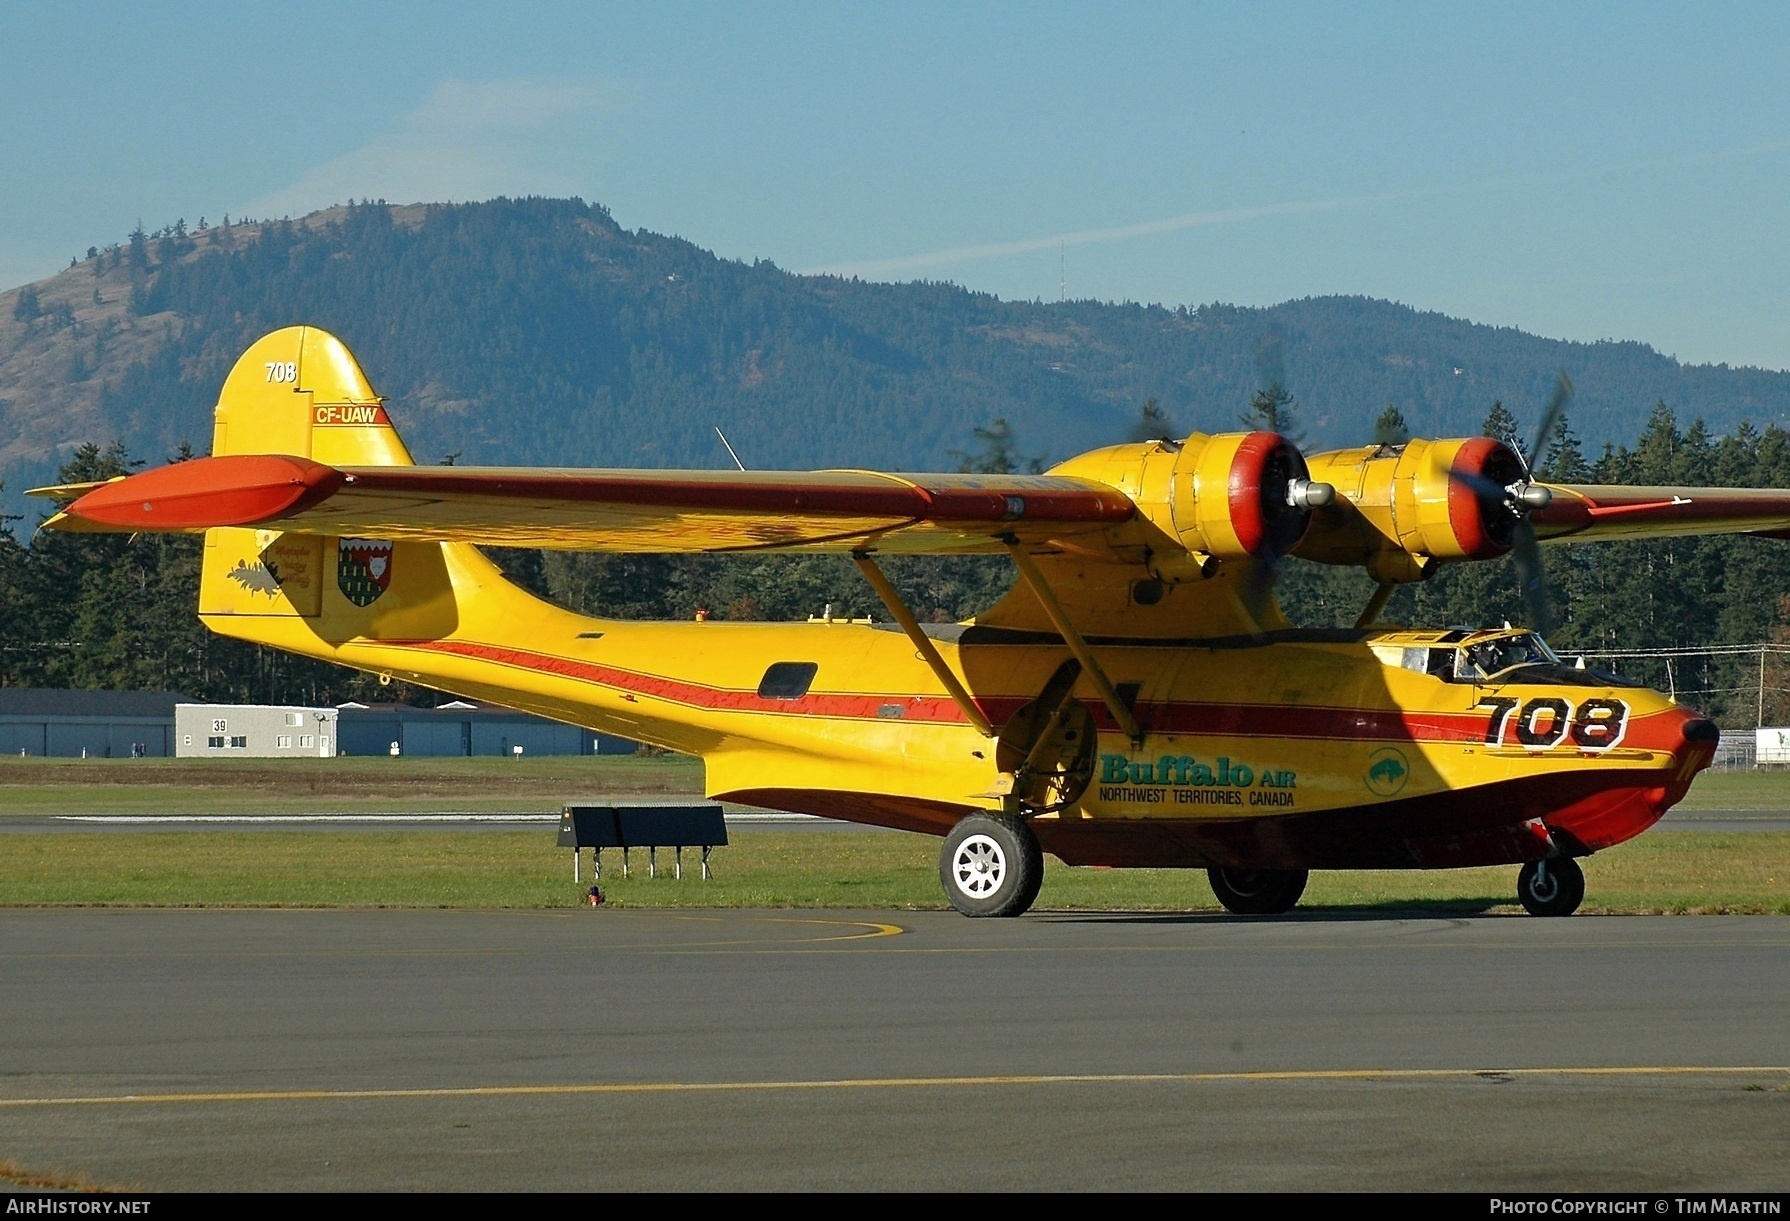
300 391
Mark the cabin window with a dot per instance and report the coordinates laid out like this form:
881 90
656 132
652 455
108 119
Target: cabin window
787 680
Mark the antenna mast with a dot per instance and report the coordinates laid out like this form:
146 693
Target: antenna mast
1063 270
730 453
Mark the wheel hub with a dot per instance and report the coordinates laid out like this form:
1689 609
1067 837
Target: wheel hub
978 866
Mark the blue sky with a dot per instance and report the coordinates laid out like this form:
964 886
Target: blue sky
1582 171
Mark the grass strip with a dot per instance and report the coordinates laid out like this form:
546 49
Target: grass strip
32 785
1662 872
288 786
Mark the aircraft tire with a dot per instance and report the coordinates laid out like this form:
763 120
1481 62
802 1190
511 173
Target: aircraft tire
1258 892
991 865
1553 887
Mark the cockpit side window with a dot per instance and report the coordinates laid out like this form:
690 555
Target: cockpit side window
1419 659
1441 664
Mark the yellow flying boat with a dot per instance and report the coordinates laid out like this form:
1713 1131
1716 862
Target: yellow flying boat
1138 699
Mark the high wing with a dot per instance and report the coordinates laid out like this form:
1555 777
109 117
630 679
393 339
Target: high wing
602 510
1583 513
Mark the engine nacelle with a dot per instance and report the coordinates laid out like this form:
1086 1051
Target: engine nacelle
1228 496
1399 507
1241 494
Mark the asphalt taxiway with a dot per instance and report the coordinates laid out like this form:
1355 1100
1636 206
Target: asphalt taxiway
614 1049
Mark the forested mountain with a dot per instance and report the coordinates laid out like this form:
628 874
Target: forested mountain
538 331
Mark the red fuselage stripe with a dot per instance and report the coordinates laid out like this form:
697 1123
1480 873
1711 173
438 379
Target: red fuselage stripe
1658 731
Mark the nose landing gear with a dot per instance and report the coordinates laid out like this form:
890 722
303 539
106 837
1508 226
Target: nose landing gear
1258 892
1553 887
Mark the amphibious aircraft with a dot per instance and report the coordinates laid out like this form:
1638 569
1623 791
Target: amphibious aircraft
1137 699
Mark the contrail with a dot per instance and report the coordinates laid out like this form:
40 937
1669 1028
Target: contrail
993 250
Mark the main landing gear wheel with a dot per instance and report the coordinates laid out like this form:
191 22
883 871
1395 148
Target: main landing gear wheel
991 866
1554 887
1258 892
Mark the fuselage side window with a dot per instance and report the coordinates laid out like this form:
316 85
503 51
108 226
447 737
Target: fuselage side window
787 680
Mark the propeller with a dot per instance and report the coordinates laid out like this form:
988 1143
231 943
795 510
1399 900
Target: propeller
1520 498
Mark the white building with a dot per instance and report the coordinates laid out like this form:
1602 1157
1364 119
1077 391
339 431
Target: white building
253 731
1772 745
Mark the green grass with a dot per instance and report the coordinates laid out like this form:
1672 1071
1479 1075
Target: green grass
211 786
1663 871
1767 790
287 786
1666 871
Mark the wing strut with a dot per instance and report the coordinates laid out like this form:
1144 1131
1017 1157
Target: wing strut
1028 571
929 652
1376 604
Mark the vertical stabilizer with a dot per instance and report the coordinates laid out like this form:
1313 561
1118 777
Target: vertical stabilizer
300 391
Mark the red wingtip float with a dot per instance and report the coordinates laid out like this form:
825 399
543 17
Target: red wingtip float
1137 699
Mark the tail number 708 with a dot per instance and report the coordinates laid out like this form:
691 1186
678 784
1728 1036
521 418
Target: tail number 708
1546 720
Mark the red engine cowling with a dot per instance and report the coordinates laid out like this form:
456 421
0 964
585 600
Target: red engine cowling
1243 494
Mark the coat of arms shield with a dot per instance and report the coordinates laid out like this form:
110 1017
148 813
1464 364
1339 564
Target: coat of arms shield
363 569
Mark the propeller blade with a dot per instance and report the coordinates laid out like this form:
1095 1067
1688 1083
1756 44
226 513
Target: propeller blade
1550 419
1256 590
1531 577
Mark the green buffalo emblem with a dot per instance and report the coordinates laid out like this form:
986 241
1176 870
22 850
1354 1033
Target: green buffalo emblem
1387 771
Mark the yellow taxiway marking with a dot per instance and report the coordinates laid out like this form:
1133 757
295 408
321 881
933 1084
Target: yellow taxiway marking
888 1083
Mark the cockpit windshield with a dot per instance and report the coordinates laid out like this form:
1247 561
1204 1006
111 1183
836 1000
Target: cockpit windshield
1489 658
1508 657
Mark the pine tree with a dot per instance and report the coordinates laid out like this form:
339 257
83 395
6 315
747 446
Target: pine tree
1390 428
1154 425
1273 409
999 454
1501 425
1564 462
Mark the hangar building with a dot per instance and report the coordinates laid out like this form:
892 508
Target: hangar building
461 727
87 724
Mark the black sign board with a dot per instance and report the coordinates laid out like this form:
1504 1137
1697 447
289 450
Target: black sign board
698 826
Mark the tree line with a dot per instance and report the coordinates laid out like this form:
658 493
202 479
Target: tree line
117 611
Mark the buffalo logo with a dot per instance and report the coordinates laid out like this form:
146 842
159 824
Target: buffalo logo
364 569
1387 771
